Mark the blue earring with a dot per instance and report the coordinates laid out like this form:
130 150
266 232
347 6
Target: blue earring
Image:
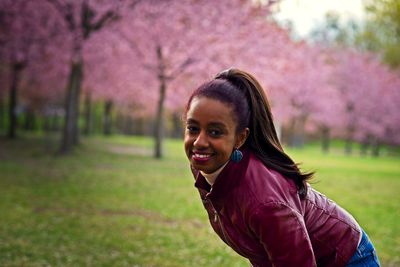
236 155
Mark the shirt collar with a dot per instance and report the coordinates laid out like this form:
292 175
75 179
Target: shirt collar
227 179
210 177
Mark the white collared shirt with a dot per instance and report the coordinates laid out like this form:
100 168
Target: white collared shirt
210 177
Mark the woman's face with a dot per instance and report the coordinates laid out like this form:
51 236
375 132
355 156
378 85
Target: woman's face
210 134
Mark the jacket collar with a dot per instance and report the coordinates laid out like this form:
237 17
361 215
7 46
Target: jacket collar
226 181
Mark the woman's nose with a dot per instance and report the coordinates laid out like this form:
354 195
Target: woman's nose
201 140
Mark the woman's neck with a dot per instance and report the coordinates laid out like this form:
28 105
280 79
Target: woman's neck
210 177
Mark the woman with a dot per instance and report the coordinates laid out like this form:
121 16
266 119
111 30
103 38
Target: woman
257 199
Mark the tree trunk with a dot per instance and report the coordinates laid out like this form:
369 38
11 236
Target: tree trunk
375 151
70 132
12 122
159 126
88 115
30 120
290 132
54 123
128 125
177 123
125 124
140 126
325 139
348 149
2 114
302 131
120 122
107 117
365 144
297 138
46 124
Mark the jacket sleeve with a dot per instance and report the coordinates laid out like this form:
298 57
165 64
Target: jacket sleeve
282 232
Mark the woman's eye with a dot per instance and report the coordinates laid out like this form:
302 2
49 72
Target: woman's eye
215 133
191 129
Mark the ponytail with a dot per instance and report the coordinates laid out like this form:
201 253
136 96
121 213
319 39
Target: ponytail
263 140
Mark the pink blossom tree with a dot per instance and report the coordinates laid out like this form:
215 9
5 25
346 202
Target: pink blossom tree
81 19
111 74
368 90
301 91
186 38
26 28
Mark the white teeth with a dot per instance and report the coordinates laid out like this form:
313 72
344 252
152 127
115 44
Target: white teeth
202 156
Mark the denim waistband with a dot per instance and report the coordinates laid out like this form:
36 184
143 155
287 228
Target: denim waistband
365 255
365 244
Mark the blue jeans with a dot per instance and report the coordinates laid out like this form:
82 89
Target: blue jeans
365 255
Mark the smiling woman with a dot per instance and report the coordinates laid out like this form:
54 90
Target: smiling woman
211 134
257 199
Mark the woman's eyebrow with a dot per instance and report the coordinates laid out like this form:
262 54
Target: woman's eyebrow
191 121
217 124
210 124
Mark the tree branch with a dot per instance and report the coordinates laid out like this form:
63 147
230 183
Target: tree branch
131 43
66 12
88 14
110 15
181 68
134 3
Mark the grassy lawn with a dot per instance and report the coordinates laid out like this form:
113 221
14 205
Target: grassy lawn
111 204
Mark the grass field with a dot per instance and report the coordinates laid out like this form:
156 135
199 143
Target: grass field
111 204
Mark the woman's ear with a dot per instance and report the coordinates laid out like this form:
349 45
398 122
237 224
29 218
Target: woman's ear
242 137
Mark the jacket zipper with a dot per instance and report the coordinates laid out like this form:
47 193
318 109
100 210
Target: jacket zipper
217 219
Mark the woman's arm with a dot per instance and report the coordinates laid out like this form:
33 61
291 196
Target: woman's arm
282 232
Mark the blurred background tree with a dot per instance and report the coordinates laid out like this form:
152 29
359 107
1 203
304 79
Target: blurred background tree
382 30
131 65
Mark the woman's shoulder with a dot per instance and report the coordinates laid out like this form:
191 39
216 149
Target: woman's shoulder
266 184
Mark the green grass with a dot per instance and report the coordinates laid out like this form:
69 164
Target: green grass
111 204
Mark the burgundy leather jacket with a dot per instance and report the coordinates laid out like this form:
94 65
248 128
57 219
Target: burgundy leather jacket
258 212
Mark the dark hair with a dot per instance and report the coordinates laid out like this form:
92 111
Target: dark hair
244 94
225 92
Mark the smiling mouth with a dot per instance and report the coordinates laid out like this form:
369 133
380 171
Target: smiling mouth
201 156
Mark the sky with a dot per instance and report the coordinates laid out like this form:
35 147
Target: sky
305 14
